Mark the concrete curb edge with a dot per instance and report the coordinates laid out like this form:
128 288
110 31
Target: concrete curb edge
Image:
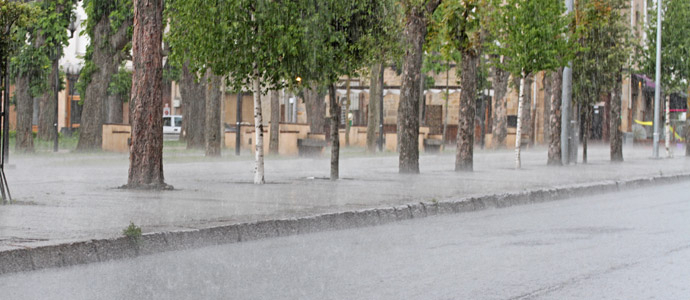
62 255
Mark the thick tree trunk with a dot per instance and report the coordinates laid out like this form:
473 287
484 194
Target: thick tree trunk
373 112
555 155
585 135
616 139
518 129
316 109
500 112
25 112
546 126
408 108
212 114
274 142
146 150
114 109
465 141
107 59
193 96
46 112
334 110
347 113
259 132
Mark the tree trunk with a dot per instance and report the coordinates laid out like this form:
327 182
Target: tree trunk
667 126
114 109
193 96
259 132
212 114
555 155
408 108
347 113
585 135
616 139
465 139
527 109
316 109
107 59
274 142
146 150
687 125
46 112
499 132
373 112
25 112
518 129
546 126
334 110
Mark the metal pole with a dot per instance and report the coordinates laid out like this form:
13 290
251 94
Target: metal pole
6 117
657 91
238 118
566 100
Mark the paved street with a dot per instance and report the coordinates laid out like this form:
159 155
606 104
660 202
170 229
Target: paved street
627 245
74 196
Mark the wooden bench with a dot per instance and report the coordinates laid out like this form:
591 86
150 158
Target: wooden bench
432 145
310 147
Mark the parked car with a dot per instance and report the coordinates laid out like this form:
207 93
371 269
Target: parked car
172 127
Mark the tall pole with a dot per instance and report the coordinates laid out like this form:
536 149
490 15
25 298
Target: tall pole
657 91
238 117
566 100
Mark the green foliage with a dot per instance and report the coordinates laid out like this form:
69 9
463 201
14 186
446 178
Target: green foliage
280 39
13 16
675 41
533 34
133 232
121 84
604 48
117 12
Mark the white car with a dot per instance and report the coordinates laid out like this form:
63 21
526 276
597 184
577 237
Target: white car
172 127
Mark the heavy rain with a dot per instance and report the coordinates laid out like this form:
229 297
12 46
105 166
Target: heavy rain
344 149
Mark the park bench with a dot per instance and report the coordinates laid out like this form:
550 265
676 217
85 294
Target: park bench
432 145
310 146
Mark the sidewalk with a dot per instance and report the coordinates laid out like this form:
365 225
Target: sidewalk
74 197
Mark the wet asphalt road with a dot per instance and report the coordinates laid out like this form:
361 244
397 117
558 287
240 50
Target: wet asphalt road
628 245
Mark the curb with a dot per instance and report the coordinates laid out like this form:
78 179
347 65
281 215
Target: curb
31 259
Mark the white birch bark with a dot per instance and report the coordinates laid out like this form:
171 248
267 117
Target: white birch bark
518 131
259 132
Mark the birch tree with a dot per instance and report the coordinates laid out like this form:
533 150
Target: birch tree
531 33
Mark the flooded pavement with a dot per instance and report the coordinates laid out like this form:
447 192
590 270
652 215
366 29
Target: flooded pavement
74 197
626 245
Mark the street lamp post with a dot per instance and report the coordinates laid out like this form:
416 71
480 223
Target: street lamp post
657 91
566 101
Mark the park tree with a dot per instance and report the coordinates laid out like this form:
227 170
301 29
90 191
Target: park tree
52 27
532 34
109 27
343 37
416 17
15 19
255 44
119 91
463 33
598 65
146 150
675 51
193 98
